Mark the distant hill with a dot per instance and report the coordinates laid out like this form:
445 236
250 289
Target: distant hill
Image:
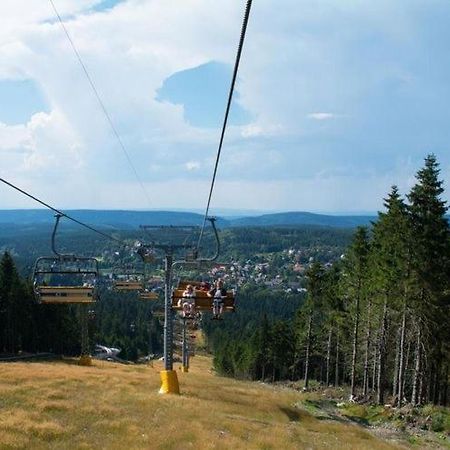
303 218
132 219
108 218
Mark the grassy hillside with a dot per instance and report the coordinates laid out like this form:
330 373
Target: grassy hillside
61 405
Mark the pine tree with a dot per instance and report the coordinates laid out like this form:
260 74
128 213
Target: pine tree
308 313
10 297
431 256
389 261
332 312
260 350
355 276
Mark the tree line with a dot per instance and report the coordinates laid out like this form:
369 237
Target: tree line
377 320
115 320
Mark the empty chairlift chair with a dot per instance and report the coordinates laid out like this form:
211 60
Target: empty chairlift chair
148 295
128 285
129 281
65 279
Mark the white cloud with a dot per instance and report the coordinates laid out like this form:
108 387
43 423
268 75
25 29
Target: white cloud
343 56
15 137
192 165
256 130
321 116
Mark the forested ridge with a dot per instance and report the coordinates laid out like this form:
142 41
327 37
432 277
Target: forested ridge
118 319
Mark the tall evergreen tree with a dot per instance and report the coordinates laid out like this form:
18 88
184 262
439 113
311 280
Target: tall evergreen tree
308 313
355 276
431 251
389 261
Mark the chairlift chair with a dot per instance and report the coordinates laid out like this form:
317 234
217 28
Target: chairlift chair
65 279
129 280
148 295
202 301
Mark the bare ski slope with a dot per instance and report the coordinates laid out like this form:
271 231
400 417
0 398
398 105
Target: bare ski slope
60 405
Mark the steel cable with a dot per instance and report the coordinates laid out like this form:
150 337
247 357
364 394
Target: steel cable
102 105
227 111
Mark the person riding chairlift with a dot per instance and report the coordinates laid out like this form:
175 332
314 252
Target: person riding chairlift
188 301
204 286
219 294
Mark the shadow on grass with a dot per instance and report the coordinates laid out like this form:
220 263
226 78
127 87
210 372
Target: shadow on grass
359 420
322 410
333 417
292 414
37 357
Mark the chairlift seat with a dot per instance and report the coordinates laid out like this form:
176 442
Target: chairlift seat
148 296
65 294
202 301
128 286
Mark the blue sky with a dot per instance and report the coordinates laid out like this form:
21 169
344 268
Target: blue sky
106 4
19 100
336 101
203 92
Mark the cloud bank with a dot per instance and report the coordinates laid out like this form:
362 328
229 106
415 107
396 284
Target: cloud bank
343 100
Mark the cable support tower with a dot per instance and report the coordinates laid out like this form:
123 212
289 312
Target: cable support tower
101 103
227 111
57 211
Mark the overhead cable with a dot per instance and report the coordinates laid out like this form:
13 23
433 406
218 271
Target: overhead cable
100 102
227 111
36 199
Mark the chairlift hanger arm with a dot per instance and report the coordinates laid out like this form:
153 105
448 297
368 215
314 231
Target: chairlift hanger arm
212 220
55 228
199 261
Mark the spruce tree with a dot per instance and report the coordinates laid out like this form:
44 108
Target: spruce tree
355 276
10 292
305 320
431 256
389 261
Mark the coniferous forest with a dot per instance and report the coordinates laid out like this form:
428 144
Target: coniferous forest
377 320
371 311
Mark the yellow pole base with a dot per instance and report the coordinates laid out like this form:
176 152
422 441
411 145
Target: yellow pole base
169 382
85 360
185 369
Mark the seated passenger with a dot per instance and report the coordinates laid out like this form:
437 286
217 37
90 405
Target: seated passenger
188 301
219 294
204 286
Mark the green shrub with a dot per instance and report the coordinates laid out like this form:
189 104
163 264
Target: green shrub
438 422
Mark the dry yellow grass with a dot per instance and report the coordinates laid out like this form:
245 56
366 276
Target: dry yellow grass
60 405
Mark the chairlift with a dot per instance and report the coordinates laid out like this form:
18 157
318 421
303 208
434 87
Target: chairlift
65 279
146 252
148 295
129 280
202 301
